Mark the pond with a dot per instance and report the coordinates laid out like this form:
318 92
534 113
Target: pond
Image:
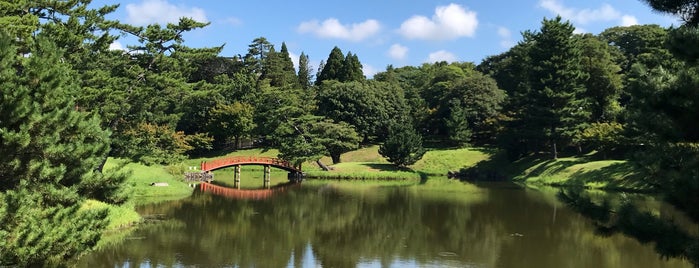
331 225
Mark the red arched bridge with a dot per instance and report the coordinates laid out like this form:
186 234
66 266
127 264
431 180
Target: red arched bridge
295 173
248 160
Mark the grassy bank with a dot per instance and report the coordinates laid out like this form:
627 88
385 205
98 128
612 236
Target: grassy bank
368 164
582 171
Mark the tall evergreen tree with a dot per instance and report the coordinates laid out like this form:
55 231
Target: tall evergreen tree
603 79
304 73
49 151
333 67
257 52
557 109
288 71
351 69
403 146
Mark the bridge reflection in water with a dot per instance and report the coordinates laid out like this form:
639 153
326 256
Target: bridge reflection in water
252 194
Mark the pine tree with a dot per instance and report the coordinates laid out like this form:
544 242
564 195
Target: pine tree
351 69
333 67
557 109
457 123
304 73
288 71
403 146
49 151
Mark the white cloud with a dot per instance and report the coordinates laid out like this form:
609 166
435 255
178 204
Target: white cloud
504 32
116 46
369 71
628 20
448 22
584 16
160 11
397 51
332 28
441 55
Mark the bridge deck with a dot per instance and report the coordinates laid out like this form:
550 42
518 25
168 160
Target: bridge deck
248 160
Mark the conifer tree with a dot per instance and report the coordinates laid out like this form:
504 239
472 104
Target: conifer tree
288 71
333 68
556 109
304 73
49 150
351 69
403 146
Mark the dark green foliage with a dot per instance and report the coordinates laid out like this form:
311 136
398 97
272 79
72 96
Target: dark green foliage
457 123
304 74
682 42
555 110
337 138
333 67
403 146
351 69
49 153
603 79
369 106
228 121
688 10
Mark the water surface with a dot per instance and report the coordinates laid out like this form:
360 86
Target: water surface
327 226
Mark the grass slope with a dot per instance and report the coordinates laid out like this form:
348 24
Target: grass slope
583 171
367 164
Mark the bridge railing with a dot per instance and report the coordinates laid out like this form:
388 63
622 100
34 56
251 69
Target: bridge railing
236 160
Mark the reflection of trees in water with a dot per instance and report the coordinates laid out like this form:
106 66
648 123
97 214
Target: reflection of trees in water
669 237
503 228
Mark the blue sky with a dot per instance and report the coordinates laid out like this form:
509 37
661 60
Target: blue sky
380 32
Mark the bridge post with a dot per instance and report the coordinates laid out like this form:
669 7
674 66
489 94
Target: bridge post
267 177
236 176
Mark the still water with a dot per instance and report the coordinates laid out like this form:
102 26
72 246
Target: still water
391 226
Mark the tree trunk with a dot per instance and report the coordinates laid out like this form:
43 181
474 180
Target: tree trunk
336 158
236 146
555 151
323 166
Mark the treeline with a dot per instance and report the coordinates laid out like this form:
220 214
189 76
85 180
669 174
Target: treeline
68 102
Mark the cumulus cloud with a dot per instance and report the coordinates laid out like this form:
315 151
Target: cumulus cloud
369 71
116 46
332 28
397 52
441 55
233 21
628 20
162 12
448 22
584 16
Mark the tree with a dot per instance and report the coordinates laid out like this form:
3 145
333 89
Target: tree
333 67
231 120
403 146
49 151
457 124
368 106
351 69
304 74
257 52
337 138
288 72
557 110
603 80
688 10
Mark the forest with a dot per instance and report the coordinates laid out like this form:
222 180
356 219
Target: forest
67 103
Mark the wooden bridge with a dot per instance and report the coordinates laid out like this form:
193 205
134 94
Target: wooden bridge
295 173
248 160
257 194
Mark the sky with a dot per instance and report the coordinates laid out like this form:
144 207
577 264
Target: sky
379 32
